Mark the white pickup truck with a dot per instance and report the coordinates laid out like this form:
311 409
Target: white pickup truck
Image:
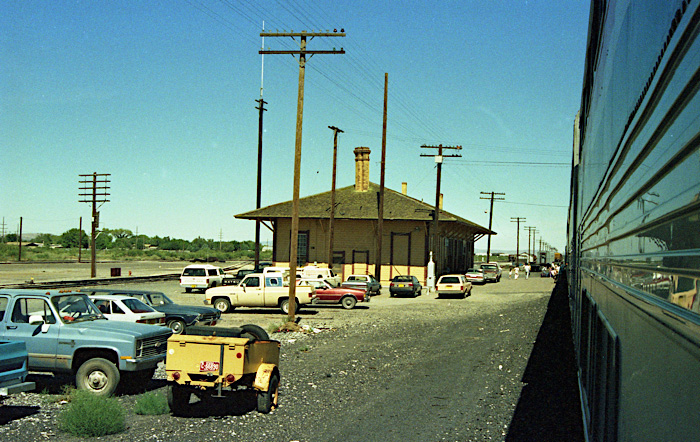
258 290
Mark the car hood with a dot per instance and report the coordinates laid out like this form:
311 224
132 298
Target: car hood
119 329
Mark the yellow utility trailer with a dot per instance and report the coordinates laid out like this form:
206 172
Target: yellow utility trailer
215 362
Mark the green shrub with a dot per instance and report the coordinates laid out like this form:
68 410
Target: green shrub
152 403
90 415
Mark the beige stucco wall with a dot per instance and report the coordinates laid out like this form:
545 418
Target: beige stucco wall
360 235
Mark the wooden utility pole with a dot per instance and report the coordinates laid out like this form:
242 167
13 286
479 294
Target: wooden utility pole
493 198
332 214
19 240
380 212
530 231
258 200
434 235
517 219
302 53
94 194
80 239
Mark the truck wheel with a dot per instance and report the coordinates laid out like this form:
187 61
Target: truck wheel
253 331
177 326
348 302
98 376
222 305
267 400
284 306
179 400
188 289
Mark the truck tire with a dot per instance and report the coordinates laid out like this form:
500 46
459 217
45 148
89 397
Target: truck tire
252 331
222 304
98 376
188 289
267 400
177 326
284 306
348 302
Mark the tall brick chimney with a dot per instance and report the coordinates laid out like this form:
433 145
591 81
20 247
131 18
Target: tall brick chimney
361 169
404 188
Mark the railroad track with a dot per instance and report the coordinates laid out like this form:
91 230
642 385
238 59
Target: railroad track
101 281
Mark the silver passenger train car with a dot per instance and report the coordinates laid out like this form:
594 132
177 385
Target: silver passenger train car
634 223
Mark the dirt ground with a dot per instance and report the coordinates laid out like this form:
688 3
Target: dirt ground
393 369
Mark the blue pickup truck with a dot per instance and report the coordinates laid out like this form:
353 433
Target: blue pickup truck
13 368
65 333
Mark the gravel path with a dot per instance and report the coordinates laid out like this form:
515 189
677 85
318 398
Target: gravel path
396 369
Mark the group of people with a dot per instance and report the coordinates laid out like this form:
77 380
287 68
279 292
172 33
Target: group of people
552 270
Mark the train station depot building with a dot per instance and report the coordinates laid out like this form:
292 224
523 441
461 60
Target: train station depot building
406 230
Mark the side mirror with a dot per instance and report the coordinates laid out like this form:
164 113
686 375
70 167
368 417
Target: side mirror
36 319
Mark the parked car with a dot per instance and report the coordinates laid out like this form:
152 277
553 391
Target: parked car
13 367
327 294
405 285
453 285
363 282
201 277
475 276
178 317
65 333
127 309
492 271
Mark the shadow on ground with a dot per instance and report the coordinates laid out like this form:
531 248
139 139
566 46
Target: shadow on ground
549 407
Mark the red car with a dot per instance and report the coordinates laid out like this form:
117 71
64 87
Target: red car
327 294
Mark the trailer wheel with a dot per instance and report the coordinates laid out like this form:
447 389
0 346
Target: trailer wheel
267 400
348 302
179 400
98 376
222 304
253 331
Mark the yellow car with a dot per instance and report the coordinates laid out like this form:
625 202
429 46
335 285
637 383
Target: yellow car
453 285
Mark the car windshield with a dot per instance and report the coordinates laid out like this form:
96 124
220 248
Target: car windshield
449 280
137 306
402 279
159 299
76 308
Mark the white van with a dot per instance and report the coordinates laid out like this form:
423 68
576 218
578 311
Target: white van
316 272
201 276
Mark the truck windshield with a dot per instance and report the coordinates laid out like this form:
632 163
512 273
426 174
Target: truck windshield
75 308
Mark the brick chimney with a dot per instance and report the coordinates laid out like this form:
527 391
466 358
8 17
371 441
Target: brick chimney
440 204
404 188
361 169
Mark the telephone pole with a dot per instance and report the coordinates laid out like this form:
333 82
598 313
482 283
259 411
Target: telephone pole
517 219
336 131
258 200
302 53
493 198
530 232
94 191
380 211
434 236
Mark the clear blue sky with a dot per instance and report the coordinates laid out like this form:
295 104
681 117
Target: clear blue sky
161 95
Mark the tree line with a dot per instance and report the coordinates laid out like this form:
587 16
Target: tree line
125 239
